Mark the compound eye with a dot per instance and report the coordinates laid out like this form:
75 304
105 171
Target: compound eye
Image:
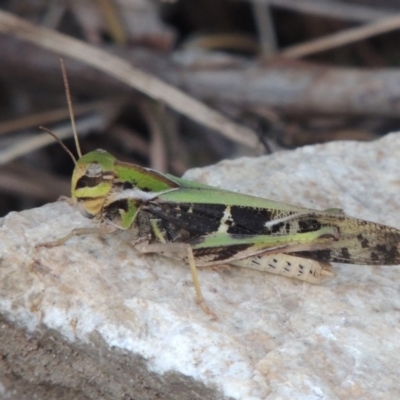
93 170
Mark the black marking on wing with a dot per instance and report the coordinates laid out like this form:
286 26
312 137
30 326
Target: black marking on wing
309 225
277 227
249 220
375 255
345 253
206 218
392 253
194 218
201 219
363 241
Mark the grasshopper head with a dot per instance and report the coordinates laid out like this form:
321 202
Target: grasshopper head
92 180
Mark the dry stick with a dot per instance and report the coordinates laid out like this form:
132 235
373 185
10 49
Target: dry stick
265 28
331 9
122 70
31 120
36 142
158 157
297 87
101 112
344 37
48 117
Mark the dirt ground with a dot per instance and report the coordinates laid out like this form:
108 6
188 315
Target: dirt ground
45 366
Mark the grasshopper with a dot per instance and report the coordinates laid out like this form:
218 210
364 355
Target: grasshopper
208 226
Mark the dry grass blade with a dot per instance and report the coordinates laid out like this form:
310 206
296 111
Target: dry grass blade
22 147
158 156
265 27
344 37
331 9
122 70
44 118
97 115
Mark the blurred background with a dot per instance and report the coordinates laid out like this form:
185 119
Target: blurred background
291 72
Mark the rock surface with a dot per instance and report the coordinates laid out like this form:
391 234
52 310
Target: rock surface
93 319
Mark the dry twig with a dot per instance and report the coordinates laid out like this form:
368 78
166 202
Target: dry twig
331 9
48 117
34 142
122 70
265 27
288 87
342 38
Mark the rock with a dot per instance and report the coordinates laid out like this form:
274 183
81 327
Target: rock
95 319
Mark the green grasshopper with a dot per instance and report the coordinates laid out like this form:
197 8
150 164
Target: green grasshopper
208 226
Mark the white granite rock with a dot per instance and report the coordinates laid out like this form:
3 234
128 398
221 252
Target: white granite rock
275 338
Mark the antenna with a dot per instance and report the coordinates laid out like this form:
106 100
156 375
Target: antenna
71 111
59 141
